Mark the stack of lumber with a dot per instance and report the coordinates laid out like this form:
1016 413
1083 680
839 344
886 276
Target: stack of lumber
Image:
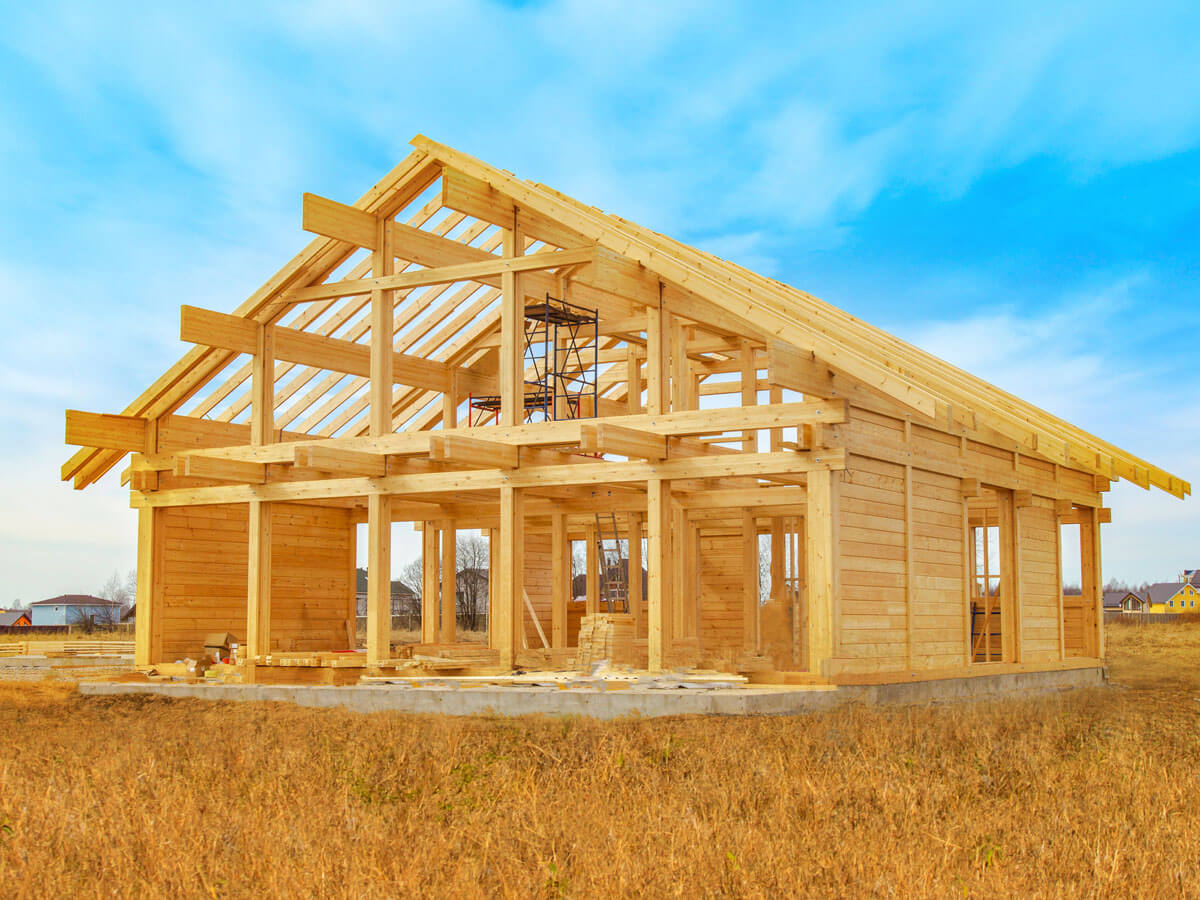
605 636
74 648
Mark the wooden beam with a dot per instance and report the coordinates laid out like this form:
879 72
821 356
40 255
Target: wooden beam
607 437
658 361
470 451
105 431
221 469
338 221
598 473
148 570
214 329
340 462
480 270
591 567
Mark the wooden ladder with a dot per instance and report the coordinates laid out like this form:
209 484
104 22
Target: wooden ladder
614 569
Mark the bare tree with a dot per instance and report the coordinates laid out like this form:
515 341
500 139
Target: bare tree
471 556
410 577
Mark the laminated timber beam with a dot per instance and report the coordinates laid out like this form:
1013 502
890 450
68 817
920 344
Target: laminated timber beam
471 271
340 462
215 329
687 423
471 451
607 437
599 473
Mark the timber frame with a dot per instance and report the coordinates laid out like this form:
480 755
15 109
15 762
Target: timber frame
728 408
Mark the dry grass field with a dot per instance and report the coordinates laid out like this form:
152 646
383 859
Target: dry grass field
1092 793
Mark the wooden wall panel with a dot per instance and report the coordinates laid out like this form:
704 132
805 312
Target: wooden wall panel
1039 584
939 572
539 586
204 553
872 628
720 587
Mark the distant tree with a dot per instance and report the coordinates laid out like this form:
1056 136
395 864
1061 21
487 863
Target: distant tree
1115 584
410 577
471 577
120 590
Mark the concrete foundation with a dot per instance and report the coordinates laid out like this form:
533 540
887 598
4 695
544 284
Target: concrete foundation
611 704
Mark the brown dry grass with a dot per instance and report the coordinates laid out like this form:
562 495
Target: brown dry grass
1088 793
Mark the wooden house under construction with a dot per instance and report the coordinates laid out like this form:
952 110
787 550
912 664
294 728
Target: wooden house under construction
465 350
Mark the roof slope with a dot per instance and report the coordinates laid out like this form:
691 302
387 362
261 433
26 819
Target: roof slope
451 324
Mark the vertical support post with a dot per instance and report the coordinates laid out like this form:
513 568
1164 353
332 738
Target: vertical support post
658 551
258 599
634 575
379 506
678 365
749 581
592 558
147 602
510 575
262 431
379 578
749 393
493 536
512 332
430 583
560 563
450 404
822 568
909 571
633 377
448 631
1092 599
658 359
1010 592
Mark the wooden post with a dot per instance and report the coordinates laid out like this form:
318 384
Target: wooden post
430 583
493 536
678 365
1010 607
749 395
258 526
379 506
450 404
258 581
1090 585
512 333
658 360
147 603
448 632
592 557
633 397
634 575
658 552
749 581
379 578
510 575
822 568
561 580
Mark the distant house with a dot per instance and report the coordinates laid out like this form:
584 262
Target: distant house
75 609
404 600
1173 597
1124 602
15 618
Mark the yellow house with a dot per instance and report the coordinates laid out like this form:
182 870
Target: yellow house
1173 597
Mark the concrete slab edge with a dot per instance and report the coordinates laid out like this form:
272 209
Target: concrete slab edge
519 701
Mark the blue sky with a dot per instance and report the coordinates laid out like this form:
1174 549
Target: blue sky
1015 187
